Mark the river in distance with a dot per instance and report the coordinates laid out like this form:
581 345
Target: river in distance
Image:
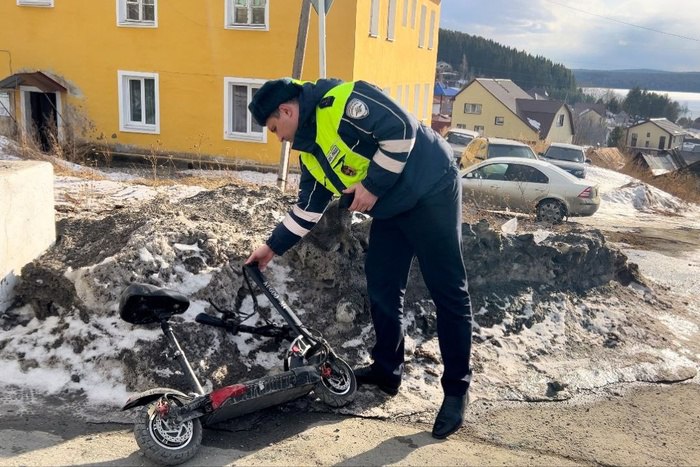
688 99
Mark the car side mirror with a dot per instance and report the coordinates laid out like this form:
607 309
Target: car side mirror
588 161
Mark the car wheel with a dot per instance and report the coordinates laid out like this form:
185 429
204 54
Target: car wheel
551 211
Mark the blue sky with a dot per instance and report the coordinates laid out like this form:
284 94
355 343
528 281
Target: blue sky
595 34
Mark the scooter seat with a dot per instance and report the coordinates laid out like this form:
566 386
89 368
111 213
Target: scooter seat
146 303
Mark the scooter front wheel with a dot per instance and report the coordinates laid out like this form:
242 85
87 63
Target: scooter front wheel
338 385
164 441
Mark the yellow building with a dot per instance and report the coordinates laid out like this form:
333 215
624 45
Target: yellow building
499 108
175 76
655 134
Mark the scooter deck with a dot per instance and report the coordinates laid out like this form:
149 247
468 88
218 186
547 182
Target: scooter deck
266 392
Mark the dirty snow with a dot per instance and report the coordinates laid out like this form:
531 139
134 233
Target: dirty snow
538 325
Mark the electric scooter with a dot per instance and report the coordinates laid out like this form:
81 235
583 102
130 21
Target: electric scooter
168 428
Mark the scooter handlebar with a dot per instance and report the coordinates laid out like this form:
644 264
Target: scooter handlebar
209 320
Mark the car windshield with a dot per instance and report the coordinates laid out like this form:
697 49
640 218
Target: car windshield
565 154
458 138
504 150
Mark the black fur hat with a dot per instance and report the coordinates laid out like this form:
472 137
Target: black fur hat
270 96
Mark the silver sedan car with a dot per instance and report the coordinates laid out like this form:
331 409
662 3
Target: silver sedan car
529 186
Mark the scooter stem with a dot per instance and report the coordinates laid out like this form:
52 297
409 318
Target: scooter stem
181 358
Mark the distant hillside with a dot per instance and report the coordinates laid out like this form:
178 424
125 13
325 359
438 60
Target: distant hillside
476 57
653 80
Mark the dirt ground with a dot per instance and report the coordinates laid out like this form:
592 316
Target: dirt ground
644 425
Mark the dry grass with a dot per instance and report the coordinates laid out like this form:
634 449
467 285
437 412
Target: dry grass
681 184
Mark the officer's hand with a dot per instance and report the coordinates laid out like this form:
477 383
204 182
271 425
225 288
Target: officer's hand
262 255
364 199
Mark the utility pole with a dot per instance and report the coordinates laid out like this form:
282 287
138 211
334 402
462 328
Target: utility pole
298 65
321 7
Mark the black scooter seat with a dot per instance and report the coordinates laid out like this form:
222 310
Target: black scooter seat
146 303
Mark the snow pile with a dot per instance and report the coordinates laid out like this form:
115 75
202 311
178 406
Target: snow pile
556 312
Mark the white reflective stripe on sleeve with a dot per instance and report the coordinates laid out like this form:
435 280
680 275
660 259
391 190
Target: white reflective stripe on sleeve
387 163
397 145
307 215
293 227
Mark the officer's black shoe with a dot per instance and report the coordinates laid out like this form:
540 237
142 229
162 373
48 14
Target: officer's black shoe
451 416
368 376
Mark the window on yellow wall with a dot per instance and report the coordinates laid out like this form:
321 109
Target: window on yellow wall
239 124
421 33
414 5
391 20
560 120
44 3
138 102
247 14
374 18
416 100
404 19
427 108
399 94
499 121
472 108
137 13
431 36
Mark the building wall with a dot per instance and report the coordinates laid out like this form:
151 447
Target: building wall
648 135
513 127
564 133
402 68
79 43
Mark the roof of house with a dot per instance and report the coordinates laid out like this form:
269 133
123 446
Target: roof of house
36 79
660 163
540 111
504 90
442 90
665 124
582 107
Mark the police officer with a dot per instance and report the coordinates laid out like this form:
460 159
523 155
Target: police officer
354 139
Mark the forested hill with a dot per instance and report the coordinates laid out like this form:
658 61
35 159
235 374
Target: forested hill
646 79
476 57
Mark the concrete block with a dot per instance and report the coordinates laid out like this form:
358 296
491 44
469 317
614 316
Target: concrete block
27 219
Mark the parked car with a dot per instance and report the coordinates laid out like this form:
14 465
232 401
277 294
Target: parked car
482 148
569 157
458 139
529 186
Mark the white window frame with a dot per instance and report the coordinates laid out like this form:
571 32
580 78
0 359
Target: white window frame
421 33
560 120
123 21
427 110
374 18
391 21
472 108
40 3
414 6
416 100
479 129
229 17
125 122
249 134
431 36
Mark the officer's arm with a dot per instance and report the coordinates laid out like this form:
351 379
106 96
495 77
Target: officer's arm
312 202
392 129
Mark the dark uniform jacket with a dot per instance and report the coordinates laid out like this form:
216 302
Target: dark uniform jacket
407 160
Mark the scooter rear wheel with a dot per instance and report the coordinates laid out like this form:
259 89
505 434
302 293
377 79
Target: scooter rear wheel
164 441
338 385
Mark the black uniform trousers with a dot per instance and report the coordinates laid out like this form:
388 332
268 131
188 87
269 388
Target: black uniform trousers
432 232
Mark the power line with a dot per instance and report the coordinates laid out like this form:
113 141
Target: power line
626 23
